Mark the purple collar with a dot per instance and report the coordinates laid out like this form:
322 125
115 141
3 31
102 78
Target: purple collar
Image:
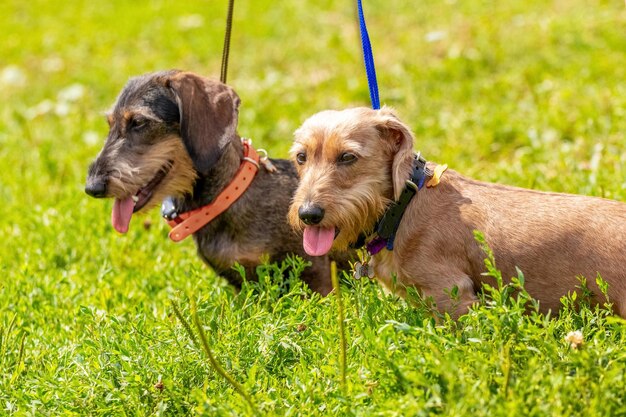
376 245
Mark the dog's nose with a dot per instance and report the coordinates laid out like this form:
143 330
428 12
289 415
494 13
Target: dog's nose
96 187
311 214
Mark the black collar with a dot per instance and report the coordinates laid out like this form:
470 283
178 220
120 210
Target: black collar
387 225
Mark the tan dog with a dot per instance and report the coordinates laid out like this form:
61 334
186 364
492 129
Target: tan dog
354 163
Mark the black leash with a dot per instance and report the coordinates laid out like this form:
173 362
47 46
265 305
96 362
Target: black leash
226 50
169 207
387 225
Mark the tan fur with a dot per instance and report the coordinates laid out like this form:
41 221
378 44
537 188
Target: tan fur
551 237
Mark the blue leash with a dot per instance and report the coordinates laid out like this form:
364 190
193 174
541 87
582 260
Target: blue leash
368 57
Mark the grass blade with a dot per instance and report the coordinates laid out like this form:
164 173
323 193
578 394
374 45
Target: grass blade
205 346
342 330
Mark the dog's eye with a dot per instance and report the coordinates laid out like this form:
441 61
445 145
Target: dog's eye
347 158
137 124
300 158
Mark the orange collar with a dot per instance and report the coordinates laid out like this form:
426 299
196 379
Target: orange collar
192 221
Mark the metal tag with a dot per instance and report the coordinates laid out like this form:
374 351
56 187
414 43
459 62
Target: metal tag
363 270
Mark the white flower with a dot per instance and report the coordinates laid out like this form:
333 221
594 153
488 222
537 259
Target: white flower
435 35
72 93
191 21
12 76
91 138
43 107
61 109
52 64
575 339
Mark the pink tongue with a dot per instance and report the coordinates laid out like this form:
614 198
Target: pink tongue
317 241
121 214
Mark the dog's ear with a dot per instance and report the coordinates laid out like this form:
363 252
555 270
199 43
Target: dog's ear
399 137
208 116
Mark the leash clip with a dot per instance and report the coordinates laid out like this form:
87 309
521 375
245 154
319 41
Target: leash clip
168 209
265 161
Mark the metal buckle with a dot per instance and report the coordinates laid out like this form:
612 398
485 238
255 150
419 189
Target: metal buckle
252 161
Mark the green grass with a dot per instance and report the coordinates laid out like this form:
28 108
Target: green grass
528 93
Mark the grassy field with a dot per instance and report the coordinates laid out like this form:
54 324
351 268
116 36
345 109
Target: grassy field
523 92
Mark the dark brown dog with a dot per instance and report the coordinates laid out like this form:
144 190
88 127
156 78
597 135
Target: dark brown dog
354 163
175 134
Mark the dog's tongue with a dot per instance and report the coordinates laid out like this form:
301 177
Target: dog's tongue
121 214
317 241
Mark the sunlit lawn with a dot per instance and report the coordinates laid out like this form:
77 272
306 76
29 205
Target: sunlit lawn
528 93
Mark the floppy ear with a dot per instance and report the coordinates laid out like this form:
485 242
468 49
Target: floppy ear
399 137
208 116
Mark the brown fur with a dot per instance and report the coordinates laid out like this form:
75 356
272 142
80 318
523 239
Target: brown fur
551 237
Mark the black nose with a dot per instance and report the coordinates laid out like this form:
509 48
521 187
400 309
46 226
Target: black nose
311 214
96 187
